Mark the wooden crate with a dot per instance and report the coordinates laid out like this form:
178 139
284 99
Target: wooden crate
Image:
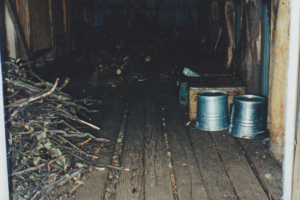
231 84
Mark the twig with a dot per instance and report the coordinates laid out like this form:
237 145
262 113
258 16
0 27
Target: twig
88 124
45 94
40 79
65 179
79 135
74 118
64 84
37 167
73 145
23 102
97 164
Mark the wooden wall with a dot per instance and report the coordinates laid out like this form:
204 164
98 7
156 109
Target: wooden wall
42 26
248 62
41 36
22 7
11 37
280 18
249 49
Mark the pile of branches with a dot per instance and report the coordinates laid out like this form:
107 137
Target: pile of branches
51 150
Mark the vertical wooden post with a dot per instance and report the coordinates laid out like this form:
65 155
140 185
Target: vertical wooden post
10 33
279 46
17 24
230 30
52 8
65 26
213 23
240 49
253 45
22 7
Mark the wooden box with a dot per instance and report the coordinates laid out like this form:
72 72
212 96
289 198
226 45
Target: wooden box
231 84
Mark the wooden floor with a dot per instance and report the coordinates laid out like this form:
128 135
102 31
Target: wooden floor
169 160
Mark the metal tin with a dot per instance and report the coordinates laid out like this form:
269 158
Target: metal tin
248 116
212 110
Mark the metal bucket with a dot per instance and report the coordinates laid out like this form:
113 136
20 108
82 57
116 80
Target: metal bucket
248 116
212 110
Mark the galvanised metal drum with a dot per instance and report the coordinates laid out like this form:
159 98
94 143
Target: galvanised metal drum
248 116
212 110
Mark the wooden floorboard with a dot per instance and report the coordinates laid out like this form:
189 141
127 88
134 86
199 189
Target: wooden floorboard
189 181
243 179
202 165
94 187
216 181
131 184
268 171
157 175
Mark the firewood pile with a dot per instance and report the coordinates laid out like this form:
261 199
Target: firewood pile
50 149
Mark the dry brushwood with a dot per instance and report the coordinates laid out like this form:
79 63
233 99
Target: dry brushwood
39 119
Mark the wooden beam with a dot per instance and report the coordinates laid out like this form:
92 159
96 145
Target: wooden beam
253 45
10 36
157 176
213 24
65 25
53 28
18 27
2 31
131 184
22 7
279 46
230 30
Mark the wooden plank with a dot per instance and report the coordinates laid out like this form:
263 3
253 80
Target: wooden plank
253 45
18 27
214 25
216 181
266 167
95 186
279 52
239 171
70 23
188 177
230 32
65 25
131 184
40 26
53 28
22 7
10 36
157 175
